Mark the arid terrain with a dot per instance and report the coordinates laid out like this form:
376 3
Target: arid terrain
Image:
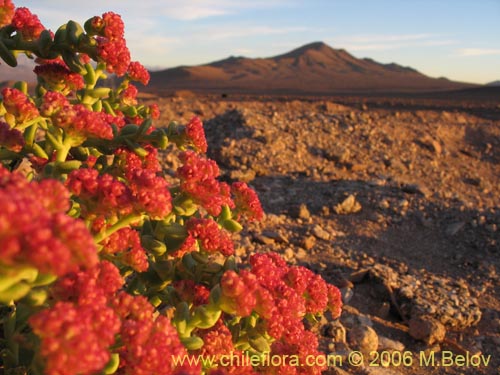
396 201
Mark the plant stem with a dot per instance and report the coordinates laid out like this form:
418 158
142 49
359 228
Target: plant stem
122 223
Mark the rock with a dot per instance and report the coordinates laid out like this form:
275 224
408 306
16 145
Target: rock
308 242
426 329
385 343
320 233
348 206
301 254
304 212
362 338
336 331
276 236
263 239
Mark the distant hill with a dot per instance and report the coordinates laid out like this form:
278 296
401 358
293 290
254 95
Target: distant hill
315 68
494 83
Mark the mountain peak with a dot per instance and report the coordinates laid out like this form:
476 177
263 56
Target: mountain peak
312 68
311 47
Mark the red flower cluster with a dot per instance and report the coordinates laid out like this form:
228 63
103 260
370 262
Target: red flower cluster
150 191
11 139
199 180
18 106
137 72
55 76
27 24
77 120
111 46
148 344
35 230
196 135
238 292
246 201
6 12
128 161
126 243
210 237
100 194
129 95
81 322
282 296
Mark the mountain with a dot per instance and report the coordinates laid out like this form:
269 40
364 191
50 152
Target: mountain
494 83
315 68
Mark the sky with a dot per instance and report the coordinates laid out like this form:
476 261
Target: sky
457 39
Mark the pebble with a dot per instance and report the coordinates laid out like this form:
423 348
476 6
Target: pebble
426 329
362 338
308 242
385 343
348 206
320 233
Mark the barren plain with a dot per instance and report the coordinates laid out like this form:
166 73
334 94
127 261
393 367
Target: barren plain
395 200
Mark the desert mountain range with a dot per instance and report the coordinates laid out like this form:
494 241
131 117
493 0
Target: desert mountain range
314 68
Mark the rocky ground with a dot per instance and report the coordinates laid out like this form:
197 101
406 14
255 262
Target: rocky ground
396 202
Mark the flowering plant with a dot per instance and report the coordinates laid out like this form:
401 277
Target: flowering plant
105 267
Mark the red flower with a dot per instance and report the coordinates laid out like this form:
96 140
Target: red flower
101 194
56 76
81 322
127 244
199 180
114 28
67 330
137 72
18 105
11 139
150 193
196 135
129 95
35 230
6 12
149 343
334 301
114 54
210 237
246 201
27 23
238 292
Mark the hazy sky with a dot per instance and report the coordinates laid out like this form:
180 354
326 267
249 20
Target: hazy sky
457 39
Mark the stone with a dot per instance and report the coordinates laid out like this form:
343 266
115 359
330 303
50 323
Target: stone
304 212
385 343
320 233
362 338
426 329
308 242
336 331
348 206
276 236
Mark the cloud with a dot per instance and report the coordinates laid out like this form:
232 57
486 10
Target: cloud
187 10
237 31
391 42
478 51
